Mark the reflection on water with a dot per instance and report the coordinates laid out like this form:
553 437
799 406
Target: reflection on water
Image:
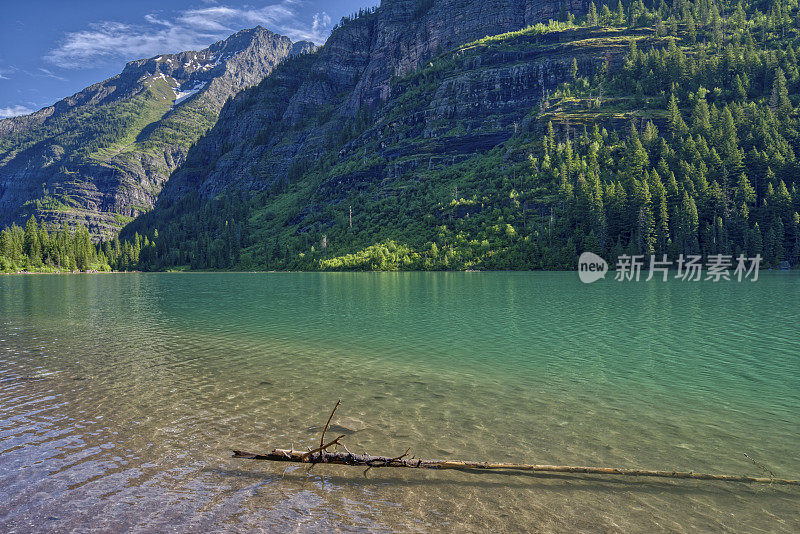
122 395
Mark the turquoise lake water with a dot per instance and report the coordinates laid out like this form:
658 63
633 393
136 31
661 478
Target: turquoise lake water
121 396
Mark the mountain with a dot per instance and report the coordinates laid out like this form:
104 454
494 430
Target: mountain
352 96
456 134
465 134
305 104
101 156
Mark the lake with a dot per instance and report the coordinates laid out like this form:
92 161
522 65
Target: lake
122 395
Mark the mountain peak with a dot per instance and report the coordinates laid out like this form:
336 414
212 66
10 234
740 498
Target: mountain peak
96 175
303 47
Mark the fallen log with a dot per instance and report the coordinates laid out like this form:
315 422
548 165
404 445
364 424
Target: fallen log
367 460
321 455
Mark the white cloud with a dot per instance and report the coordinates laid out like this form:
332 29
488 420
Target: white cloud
14 111
209 18
49 74
152 19
114 40
322 22
192 29
6 72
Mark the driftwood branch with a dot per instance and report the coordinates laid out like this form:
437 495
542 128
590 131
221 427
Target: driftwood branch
320 455
328 424
366 460
320 449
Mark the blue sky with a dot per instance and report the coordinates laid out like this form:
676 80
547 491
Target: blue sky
53 49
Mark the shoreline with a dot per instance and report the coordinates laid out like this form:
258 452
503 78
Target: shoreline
467 271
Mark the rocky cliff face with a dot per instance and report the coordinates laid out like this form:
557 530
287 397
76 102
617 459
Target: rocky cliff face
378 135
102 155
295 116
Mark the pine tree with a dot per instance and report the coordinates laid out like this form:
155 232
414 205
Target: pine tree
549 141
662 234
635 160
792 71
691 29
689 224
673 26
45 244
661 31
782 201
756 242
780 235
605 14
795 257
591 18
597 210
730 142
739 18
779 100
676 124
738 89
716 26
32 247
701 117
646 233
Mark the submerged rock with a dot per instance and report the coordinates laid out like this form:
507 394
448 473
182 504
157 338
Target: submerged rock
347 425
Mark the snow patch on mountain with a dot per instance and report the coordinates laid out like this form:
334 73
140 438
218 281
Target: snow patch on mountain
181 96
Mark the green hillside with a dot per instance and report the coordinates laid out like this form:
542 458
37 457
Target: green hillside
100 157
672 130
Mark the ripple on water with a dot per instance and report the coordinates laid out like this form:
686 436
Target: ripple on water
120 397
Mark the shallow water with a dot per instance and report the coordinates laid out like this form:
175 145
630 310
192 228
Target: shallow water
121 396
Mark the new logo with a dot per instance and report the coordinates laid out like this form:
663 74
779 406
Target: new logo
591 267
